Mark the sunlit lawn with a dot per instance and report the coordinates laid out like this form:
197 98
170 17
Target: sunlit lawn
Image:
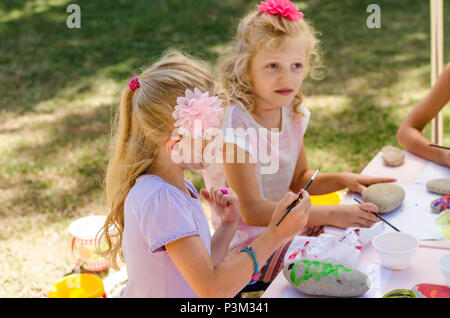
59 90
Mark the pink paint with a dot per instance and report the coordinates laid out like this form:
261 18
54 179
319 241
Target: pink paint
293 255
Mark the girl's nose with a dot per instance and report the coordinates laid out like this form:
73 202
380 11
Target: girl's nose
284 77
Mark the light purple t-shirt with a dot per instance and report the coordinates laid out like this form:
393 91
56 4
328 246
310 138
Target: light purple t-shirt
157 213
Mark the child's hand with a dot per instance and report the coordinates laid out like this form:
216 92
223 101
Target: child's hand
225 205
358 215
358 182
295 221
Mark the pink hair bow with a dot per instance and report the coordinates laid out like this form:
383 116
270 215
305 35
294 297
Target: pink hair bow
198 107
285 8
134 83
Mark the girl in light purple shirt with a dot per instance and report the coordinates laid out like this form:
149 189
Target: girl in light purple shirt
156 224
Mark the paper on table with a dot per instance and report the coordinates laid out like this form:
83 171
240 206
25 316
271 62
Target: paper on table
433 171
414 215
377 274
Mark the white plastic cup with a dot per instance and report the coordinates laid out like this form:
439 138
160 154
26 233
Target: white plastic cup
395 249
444 265
84 232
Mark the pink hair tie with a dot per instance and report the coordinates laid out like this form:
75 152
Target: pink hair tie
224 191
284 8
134 83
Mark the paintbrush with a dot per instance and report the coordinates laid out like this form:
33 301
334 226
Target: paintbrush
437 146
294 203
380 217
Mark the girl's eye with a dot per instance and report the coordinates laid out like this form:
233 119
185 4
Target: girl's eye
272 65
297 65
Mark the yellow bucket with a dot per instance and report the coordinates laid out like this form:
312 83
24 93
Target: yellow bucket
78 286
327 199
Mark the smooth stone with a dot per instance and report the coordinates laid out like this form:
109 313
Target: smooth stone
386 196
439 186
440 204
400 293
326 279
393 156
431 291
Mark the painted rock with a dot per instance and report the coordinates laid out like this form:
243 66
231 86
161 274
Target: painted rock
400 293
431 291
386 196
440 204
439 186
393 156
326 279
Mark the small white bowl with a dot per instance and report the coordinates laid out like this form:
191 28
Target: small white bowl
395 249
444 265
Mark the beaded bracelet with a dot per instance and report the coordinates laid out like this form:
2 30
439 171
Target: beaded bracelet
252 254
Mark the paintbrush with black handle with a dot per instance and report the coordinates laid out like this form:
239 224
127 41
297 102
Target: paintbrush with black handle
294 203
437 146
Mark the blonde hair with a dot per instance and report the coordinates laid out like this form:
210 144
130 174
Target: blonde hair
255 31
145 121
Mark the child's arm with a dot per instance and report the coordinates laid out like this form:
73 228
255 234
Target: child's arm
329 182
256 211
341 216
226 207
241 177
229 277
410 135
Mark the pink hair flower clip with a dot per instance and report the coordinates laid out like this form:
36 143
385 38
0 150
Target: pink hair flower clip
134 83
284 8
198 107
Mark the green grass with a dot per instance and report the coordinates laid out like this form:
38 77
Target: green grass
59 90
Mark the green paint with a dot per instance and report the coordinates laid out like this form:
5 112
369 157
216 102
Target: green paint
327 269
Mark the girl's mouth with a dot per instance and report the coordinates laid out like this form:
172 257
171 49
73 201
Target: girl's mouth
284 91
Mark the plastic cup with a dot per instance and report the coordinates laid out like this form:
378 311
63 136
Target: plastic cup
396 249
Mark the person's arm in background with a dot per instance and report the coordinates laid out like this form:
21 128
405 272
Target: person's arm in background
409 134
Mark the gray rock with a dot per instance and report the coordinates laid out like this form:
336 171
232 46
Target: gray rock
386 196
439 186
326 279
393 156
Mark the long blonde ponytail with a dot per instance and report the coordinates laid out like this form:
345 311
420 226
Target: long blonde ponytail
144 121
